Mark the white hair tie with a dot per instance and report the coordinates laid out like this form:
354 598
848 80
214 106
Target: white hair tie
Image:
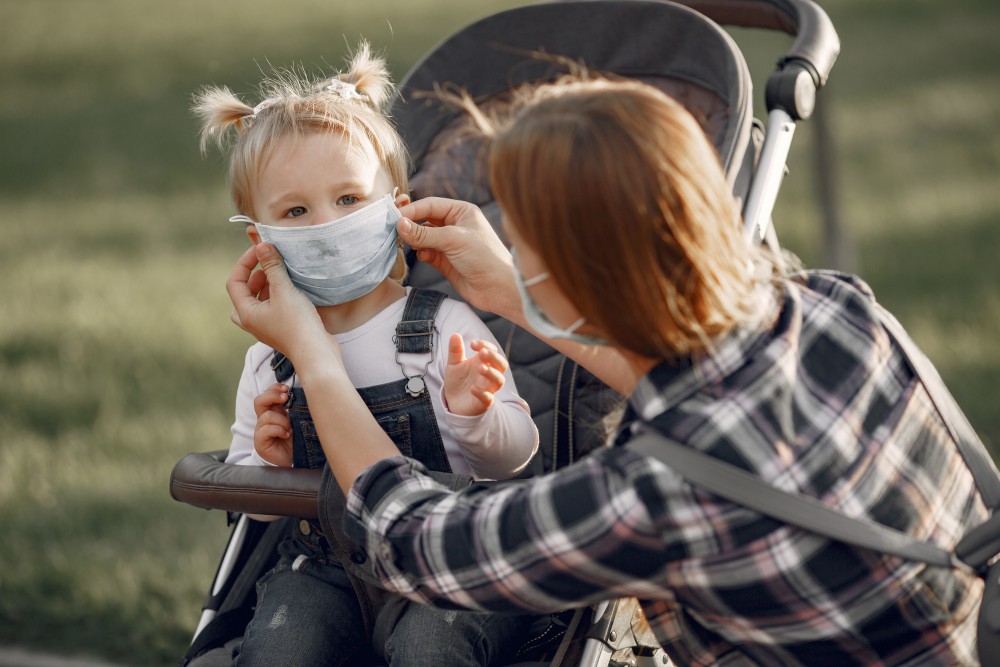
345 90
266 104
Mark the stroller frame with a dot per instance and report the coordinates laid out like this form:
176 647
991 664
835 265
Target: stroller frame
754 159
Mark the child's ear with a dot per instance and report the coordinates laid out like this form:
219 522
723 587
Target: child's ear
253 234
402 199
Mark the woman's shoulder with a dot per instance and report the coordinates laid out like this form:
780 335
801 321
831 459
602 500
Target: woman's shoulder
834 285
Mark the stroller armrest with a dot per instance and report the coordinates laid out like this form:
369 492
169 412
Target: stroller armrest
203 480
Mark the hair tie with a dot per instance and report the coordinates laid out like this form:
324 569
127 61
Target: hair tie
266 104
346 91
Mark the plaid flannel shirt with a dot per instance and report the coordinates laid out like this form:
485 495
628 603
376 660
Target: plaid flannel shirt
820 403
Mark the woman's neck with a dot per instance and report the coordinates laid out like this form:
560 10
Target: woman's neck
347 316
638 367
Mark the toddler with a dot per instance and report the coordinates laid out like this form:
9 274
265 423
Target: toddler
317 169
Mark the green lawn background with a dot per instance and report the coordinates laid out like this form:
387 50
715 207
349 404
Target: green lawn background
116 351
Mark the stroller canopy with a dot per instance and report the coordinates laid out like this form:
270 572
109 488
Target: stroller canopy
669 46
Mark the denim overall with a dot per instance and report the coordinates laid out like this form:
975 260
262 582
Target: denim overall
402 408
359 609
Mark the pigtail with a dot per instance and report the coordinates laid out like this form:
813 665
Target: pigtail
370 75
219 109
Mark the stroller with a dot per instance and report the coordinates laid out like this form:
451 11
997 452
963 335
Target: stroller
678 47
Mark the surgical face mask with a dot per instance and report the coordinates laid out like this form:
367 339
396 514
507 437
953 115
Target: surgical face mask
341 260
538 320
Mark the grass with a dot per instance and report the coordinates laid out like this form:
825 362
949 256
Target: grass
115 344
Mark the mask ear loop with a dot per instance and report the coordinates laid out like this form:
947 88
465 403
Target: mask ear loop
531 282
534 280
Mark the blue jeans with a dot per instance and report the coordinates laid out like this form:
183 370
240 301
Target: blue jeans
307 614
428 636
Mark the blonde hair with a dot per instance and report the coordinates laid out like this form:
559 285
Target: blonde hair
619 191
295 105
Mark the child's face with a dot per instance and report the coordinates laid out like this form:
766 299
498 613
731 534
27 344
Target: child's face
318 178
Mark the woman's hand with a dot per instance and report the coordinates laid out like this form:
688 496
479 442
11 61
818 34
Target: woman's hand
268 306
458 241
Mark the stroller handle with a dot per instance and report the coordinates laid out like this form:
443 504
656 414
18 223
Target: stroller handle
805 68
816 42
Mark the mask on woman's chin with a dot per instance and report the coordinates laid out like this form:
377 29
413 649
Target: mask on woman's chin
340 260
539 321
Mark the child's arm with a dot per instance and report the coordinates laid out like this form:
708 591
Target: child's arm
243 449
497 435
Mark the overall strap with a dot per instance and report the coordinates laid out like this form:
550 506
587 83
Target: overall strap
415 331
282 366
415 334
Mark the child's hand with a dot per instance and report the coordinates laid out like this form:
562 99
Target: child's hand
272 437
470 383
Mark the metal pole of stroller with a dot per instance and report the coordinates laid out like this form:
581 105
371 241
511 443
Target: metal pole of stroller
225 569
595 652
770 170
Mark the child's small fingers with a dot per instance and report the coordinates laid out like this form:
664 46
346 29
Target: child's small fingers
494 359
275 418
274 395
485 397
278 432
494 378
281 421
478 344
456 349
272 432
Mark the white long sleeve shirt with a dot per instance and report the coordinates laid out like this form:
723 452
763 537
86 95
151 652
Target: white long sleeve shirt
494 445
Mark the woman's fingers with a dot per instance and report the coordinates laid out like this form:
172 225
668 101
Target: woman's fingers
438 211
257 284
266 303
239 277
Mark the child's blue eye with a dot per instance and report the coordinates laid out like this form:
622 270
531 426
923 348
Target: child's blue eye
348 200
296 212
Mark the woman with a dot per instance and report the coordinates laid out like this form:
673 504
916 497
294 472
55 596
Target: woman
625 233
